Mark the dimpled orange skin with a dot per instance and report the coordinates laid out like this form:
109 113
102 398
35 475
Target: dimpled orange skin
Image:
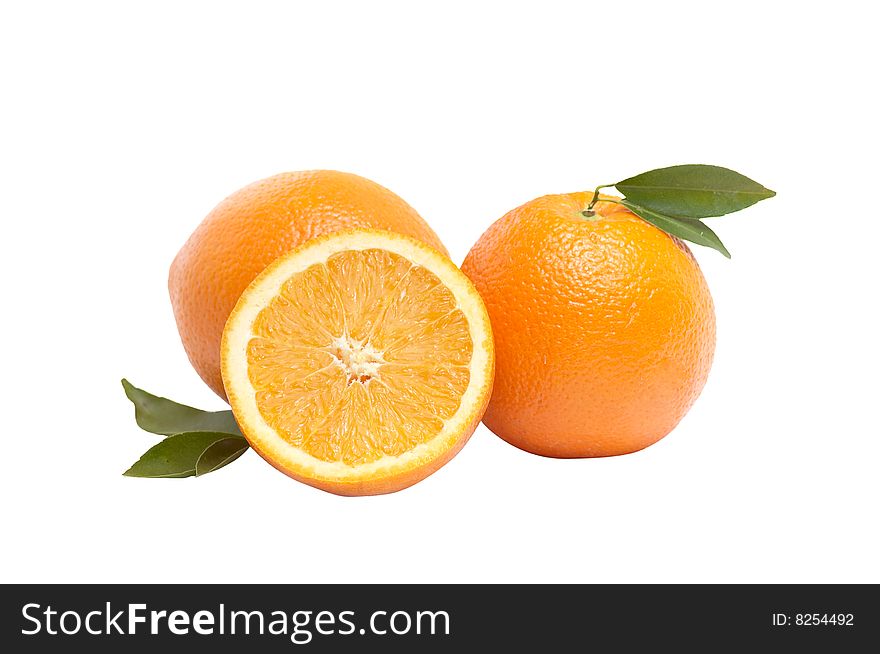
604 329
253 227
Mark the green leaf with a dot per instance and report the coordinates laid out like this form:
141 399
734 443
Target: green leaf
684 228
179 455
693 191
219 454
159 415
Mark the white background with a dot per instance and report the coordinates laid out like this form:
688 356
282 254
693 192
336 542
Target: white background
122 127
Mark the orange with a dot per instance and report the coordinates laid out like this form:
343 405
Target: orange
255 225
604 328
359 363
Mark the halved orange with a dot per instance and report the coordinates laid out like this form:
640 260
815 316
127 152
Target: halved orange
359 363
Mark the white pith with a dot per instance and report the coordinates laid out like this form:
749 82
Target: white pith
359 359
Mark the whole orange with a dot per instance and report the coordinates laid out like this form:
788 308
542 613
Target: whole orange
253 227
604 327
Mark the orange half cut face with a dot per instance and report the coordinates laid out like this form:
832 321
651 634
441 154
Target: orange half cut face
359 363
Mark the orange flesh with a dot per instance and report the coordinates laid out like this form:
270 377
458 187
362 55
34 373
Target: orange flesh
360 357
